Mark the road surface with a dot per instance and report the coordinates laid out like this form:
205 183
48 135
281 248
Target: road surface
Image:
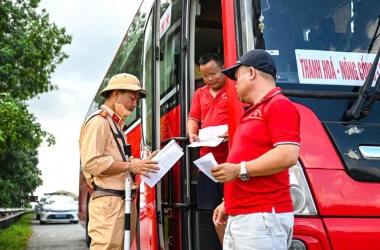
57 236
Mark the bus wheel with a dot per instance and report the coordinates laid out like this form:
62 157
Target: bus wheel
88 238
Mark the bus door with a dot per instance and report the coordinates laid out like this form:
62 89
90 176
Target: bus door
206 35
165 208
173 187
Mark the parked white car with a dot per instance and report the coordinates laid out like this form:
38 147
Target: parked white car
39 206
59 208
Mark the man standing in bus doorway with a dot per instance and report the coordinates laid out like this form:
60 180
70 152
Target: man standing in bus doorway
257 201
103 149
209 108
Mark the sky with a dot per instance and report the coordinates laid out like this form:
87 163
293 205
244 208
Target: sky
98 27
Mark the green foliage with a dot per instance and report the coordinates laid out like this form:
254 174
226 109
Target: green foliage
20 136
30 50
16 236
28 205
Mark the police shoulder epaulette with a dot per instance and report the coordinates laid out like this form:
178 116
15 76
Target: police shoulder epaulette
102 113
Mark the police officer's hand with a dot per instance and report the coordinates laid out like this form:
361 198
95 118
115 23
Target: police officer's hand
145 166
153 154
226 172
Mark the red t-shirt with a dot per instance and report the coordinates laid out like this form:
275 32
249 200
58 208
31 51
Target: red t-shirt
210 111
272 121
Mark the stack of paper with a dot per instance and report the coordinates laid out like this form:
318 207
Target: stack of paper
209 136
166 158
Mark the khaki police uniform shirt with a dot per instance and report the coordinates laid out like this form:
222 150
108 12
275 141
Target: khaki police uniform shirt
99 150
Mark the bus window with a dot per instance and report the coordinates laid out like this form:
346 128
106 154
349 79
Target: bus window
170 48
326 26
147 79
127 60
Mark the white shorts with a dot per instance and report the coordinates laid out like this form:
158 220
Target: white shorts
259 231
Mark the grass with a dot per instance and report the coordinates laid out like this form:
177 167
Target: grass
17 235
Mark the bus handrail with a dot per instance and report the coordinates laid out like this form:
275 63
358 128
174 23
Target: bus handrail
180 206
180 139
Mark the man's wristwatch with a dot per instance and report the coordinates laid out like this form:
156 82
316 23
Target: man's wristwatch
244 176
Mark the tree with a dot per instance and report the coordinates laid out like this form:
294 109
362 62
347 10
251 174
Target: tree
17 125
30 50
20 136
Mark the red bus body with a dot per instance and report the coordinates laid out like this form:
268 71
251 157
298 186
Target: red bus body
336 198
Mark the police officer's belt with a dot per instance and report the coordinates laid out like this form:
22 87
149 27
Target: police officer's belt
120 193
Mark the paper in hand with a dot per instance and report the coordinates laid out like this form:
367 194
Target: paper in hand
205 164
209 136
166 158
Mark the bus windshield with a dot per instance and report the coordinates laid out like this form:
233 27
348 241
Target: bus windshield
328 42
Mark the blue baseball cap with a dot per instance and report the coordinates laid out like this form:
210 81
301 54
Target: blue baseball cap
257 58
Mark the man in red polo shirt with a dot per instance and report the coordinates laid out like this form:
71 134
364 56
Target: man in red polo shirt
209 108
257 201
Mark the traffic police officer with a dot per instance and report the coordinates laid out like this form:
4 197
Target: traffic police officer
103 165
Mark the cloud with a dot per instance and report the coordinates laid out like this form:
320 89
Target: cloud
74 95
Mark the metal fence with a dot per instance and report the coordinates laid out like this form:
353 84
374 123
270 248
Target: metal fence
8 216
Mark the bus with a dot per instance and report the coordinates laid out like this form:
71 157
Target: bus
327 58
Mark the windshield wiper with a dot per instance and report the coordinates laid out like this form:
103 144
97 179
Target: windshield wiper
365 111
355 112
375 36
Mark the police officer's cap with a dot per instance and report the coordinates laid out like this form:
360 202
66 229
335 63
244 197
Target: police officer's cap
124 82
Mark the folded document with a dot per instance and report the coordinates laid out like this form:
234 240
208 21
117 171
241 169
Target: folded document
205 164
209 136
166 158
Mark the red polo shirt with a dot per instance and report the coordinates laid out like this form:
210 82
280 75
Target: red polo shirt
210 111
272 121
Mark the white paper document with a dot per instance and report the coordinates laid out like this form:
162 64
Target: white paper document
209 136
205 164
166 158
